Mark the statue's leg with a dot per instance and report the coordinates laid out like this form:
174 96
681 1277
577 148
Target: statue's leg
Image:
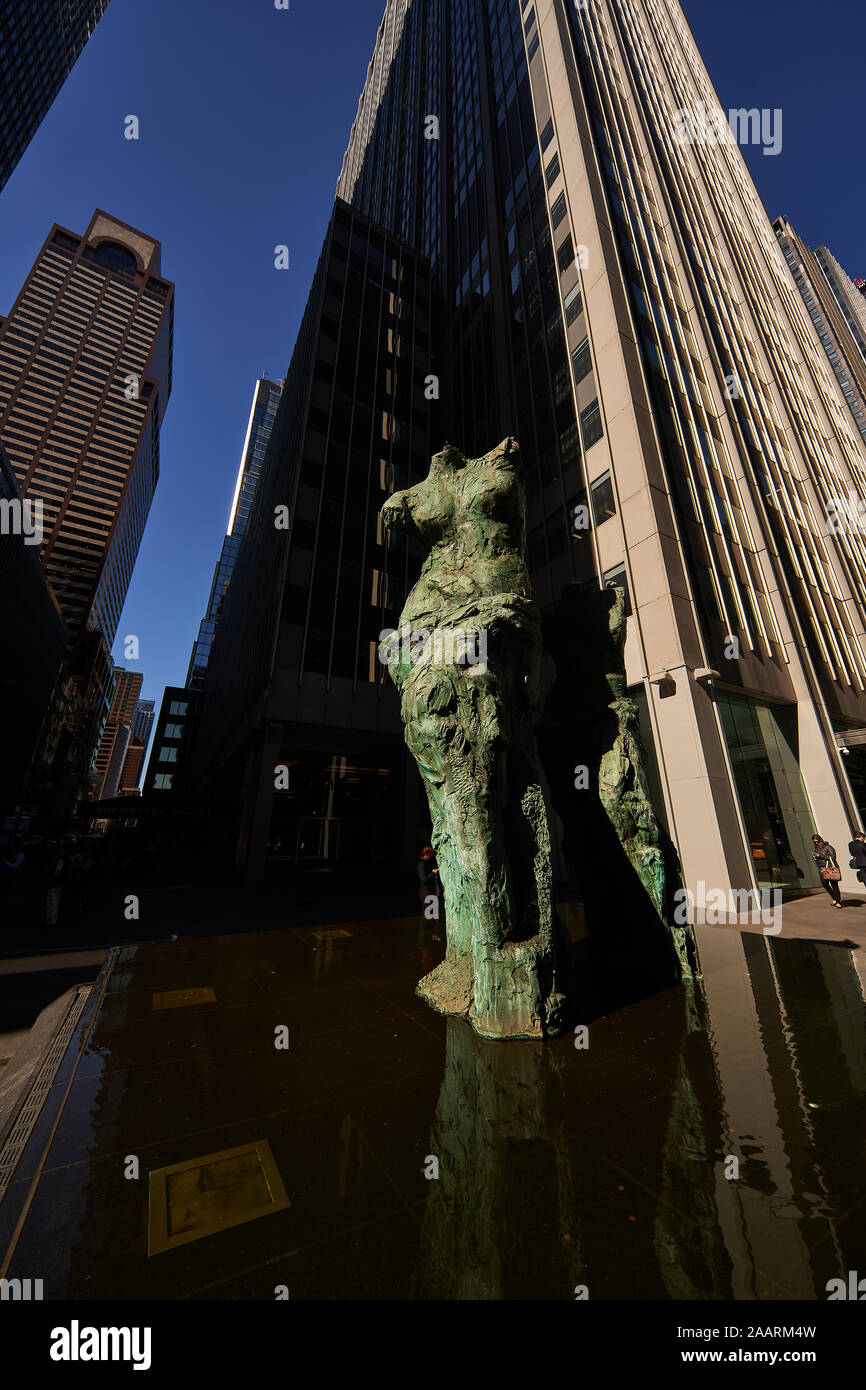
515 979
463 771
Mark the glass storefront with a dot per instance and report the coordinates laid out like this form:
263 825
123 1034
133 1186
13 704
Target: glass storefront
337 809
762 743
854 762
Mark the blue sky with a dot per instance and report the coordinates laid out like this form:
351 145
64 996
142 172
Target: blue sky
245 112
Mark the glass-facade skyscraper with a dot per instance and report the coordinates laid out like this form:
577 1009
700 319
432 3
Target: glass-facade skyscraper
39 44
846 352
263 410
573 258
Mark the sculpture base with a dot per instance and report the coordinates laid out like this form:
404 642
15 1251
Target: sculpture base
448 990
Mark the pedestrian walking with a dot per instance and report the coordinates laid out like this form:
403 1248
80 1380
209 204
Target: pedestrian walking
824 856
57 878
857 851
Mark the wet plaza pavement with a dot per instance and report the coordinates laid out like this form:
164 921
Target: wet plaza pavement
607 1166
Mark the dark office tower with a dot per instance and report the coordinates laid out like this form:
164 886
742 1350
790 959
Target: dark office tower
168 769
85 374
446 153
32 642
293 678
847 357
116 735
40 41
266 398
607 287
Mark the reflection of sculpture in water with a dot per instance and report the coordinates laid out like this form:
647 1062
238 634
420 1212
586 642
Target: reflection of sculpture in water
529 1204
468 725
483 1218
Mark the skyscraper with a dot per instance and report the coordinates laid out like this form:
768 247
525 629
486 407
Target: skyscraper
39 44
85 375
114 743
263 410
845 354
133 765
169 764
293 677
142 720
593 272
849 297
32 642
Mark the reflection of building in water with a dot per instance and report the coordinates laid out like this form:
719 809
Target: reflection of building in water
558 1166
786 1025
607 1167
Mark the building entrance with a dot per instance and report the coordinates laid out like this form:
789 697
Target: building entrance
762 743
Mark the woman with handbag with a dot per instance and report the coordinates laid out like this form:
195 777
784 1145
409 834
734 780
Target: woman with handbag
824 856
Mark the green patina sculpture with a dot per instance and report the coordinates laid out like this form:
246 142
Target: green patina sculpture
466 662
623 790
590 720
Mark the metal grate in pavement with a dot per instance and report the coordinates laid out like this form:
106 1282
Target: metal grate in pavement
29 1113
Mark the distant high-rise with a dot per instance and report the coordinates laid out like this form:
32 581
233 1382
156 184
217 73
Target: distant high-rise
142 720
133 764
539 233
849 296
266 398
117 733
40 41
85 374
846 357
133 761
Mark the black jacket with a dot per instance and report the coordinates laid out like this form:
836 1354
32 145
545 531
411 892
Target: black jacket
857 851
825 855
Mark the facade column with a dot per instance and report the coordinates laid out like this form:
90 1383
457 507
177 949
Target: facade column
252 851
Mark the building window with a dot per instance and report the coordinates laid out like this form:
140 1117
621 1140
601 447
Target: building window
573 304
591 427
601 492
707 595
547 135
557 212
162 781
551 173
581 360
565 255
168 755
178 707
615 578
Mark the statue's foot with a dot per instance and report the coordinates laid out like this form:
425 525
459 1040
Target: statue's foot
448 988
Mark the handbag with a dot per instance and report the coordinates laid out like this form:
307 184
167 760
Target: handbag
831 873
